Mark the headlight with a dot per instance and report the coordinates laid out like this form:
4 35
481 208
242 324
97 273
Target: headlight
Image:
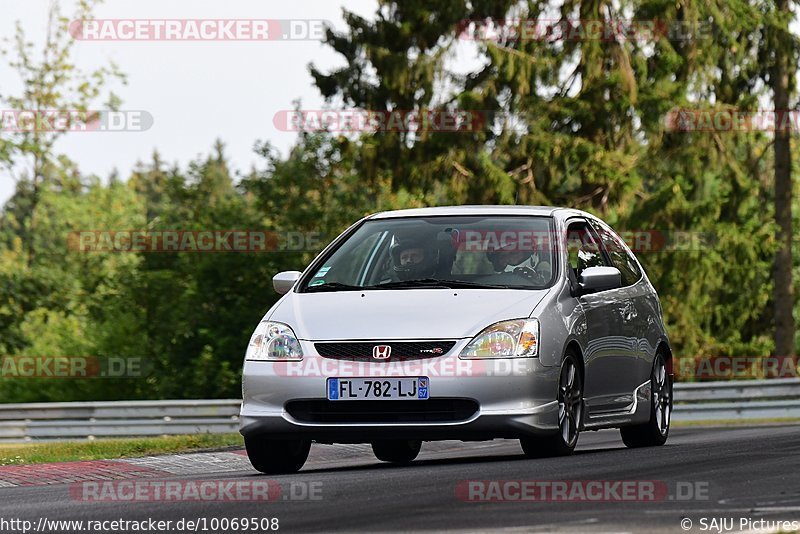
508 339
273 341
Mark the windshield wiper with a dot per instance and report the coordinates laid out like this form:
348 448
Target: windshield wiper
332 286
432 283
424 283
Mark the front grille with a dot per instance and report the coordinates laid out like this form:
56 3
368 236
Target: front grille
388 411
401 350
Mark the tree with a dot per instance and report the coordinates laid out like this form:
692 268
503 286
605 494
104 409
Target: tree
782 71
397 63
53 83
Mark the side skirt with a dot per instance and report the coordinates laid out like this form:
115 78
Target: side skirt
637 412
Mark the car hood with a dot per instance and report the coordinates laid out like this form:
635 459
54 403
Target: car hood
401 314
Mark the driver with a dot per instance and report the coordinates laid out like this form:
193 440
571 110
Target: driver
414 259
511 258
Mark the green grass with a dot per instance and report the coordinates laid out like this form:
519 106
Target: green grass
104 449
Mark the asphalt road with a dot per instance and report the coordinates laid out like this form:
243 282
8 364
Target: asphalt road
737 473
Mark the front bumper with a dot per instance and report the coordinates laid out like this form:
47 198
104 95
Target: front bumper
512 398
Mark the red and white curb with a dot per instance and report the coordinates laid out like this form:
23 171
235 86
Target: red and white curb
201 463
194 463
191 464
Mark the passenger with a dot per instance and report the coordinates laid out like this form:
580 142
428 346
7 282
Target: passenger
511 258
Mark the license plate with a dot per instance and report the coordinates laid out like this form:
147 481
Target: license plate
378 388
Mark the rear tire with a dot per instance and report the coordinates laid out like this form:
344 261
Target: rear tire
396 451
277 457
570 415
656 430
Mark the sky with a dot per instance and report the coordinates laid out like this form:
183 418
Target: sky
196 92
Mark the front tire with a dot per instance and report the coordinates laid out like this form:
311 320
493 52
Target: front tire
277 457
656 430
570 415
397 451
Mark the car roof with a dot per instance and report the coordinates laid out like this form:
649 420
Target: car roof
547 211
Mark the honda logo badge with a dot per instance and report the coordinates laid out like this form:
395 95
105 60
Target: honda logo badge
381 352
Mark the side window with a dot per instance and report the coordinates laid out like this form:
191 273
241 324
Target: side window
583 248
621 258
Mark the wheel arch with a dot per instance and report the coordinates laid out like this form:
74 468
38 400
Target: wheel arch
664 349
573 345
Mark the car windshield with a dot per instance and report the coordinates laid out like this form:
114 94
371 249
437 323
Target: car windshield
439 253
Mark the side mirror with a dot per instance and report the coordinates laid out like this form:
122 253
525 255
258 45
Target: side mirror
599 279
284 281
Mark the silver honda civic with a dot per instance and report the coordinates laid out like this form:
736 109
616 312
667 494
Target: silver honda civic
468 323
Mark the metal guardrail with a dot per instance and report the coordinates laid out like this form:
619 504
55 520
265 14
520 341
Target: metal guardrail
77 420
740 400
703 401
